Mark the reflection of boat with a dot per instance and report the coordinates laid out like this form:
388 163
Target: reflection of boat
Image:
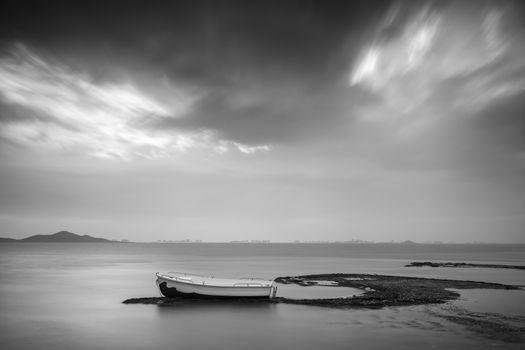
174 284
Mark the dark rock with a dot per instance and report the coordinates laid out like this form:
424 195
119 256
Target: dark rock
462 264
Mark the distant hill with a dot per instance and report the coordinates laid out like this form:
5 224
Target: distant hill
59 237
408 242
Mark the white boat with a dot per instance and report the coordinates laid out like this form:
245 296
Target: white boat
174 284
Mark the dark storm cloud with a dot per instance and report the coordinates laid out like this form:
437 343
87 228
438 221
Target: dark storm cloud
276 72
197 39
222 51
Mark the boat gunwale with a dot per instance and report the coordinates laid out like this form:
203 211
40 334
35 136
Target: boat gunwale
256 285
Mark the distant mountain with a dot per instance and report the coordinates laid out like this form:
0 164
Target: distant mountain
408 242
59 237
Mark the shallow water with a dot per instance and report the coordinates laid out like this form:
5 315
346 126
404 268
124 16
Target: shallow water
63 296
506 302
294 291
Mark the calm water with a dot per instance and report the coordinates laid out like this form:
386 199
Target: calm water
65 296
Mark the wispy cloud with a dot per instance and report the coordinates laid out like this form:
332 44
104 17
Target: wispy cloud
74 113
418 52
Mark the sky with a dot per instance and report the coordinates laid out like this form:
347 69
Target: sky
274 120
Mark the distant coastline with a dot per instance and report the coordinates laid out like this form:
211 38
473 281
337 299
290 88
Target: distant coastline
357 242
70 237
59 237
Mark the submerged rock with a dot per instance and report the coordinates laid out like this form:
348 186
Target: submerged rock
462 264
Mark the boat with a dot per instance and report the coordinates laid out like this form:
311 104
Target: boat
180 284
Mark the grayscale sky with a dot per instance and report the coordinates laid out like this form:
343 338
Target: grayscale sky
280 120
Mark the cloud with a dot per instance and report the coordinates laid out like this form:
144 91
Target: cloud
418 49
253 74
447 79
71 112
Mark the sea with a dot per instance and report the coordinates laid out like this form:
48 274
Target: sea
69 296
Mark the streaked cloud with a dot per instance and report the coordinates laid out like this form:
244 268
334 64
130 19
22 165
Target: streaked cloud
71 112
421 50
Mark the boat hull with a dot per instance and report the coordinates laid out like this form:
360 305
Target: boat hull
170 287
